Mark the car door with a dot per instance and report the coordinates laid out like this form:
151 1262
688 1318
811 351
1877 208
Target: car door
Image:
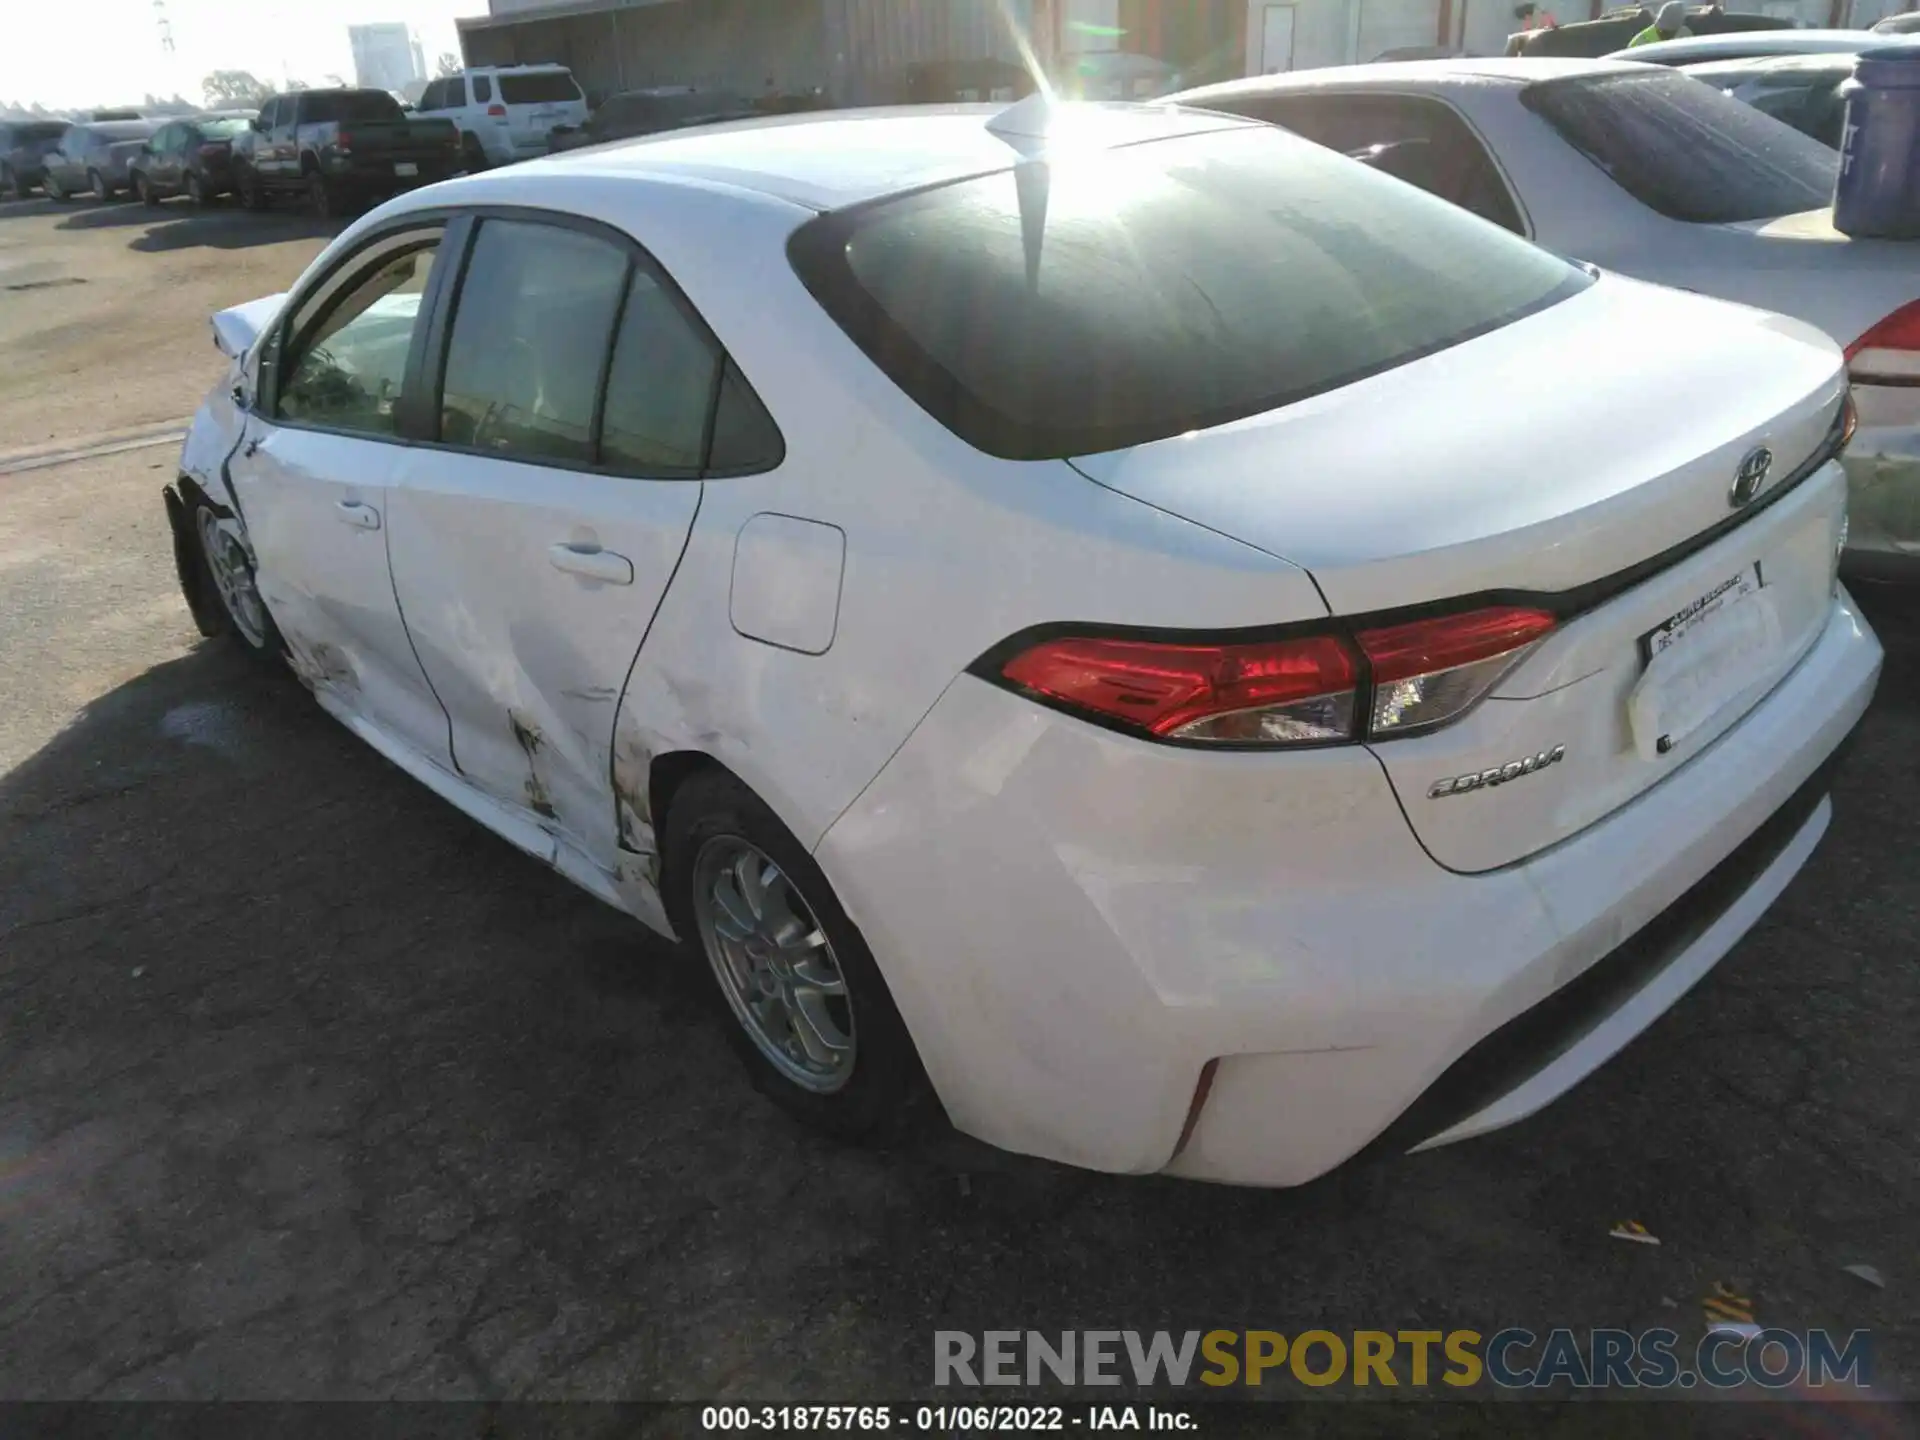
1415 138
284 147
534 538
64 163
163 166
314 472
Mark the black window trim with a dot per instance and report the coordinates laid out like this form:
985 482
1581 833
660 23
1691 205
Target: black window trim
417 412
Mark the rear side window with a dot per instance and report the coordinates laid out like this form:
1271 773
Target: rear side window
1125 296
1685 149
660 389
482 90
541 87
530 337
1421 141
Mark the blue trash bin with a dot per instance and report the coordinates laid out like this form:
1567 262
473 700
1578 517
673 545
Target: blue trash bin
1877 193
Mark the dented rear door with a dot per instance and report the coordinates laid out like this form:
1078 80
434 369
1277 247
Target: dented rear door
532 544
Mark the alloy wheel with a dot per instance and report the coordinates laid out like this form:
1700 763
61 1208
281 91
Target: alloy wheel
774 963
233 578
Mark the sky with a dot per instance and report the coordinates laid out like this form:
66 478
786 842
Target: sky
74 53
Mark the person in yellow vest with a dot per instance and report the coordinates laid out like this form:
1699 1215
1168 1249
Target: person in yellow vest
1670 24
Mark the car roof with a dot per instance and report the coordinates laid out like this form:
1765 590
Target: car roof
1769 65
1409 74
1749 42
825 160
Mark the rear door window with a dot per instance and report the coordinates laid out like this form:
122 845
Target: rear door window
482 90
1421 141
530 335
1686 150
1124 296
539 87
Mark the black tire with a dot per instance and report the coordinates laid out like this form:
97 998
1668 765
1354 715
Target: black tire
54 190
10 185
260 640
324 199
246 184
196 191
887 1098
143 187
97 183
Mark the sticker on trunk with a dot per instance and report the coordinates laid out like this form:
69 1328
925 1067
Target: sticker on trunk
1678 626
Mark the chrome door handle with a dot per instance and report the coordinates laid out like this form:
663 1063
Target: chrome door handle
358 515
594 564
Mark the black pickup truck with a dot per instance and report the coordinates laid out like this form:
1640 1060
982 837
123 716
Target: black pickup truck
339 147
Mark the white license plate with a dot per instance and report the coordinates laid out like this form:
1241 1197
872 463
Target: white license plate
1702 659
405 167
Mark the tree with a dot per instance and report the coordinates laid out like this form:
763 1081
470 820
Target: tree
233 89
448 64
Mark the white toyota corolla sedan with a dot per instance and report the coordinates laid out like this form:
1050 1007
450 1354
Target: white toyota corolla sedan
1060 611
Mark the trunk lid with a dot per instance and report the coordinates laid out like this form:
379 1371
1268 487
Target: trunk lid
1445 482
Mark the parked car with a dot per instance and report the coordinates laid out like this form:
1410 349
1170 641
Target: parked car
339 148
191 157
1797 90
1749 46
868 570
651 112
1591 39
1685 187
24 146
1907 24
93 157
506 113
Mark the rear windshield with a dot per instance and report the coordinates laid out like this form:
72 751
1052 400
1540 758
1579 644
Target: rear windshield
24 133
222 129
542 87
1686 149
368 106
1130 295
124 129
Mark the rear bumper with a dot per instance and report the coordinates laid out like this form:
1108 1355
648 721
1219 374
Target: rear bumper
1075 924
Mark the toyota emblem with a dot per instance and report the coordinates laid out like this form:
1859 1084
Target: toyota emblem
1750 477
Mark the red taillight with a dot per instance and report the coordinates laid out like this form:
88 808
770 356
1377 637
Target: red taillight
497 112
1277 691
1300 690
1430 671
1889 353
343 140
214 147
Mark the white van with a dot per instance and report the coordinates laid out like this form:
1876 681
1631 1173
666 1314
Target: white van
505 113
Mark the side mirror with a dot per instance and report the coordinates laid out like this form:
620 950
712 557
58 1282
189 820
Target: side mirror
255 126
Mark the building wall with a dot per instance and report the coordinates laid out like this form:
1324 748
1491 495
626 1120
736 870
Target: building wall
857 51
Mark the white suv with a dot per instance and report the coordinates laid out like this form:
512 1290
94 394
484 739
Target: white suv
506 113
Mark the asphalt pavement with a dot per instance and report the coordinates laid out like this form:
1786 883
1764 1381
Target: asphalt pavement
309 1087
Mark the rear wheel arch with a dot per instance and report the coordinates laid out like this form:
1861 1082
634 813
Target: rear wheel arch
666 775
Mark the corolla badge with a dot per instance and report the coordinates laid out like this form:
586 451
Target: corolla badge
1751 475
1498 775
